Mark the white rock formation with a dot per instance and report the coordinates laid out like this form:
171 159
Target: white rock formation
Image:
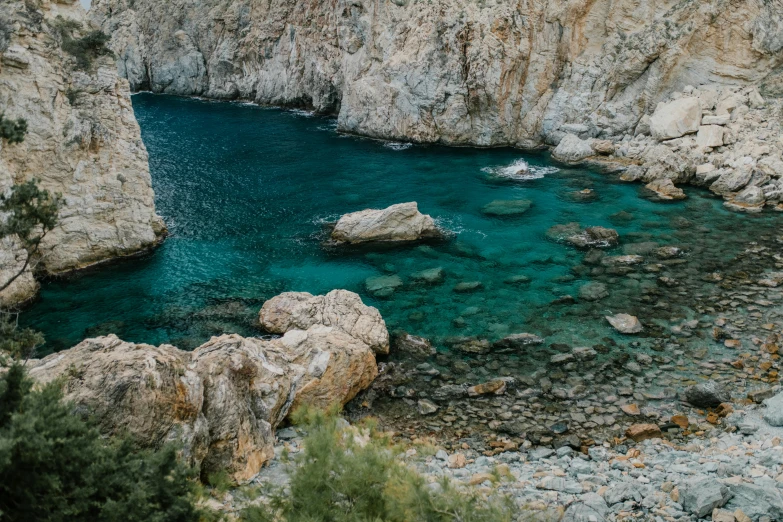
401 222
572 149
83 142
676 118
220 402
339 309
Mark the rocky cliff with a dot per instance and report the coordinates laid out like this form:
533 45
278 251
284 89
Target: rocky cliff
83 142
486 72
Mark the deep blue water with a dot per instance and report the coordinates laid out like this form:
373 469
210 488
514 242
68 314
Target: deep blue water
246 191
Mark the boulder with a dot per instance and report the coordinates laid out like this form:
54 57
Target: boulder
665 189
699 496
401 222
430 276
603 147
507 207
773 414
707 394
732 180
676 118
625 323
411 345
710 136
222 401
572 149
339 309
751 199
756 500
427 407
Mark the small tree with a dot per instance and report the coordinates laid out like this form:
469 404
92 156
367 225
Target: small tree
27 214
55 466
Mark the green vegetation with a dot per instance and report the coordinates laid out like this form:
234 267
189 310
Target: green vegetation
85 48
13 130
54 466
346 475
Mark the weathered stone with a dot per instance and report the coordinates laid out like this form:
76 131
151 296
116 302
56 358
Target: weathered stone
773 413
593 291
625 323
507 207
707 394
382 286
412 346
751 199
664 189
517 341
710 136
700 496
427 407
640 432
572 149
401 222
339 308
430 276
496 387
676 118
756 501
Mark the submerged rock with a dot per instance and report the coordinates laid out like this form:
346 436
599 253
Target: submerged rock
412 345
590 237
507 207
468 286
517 341
625 323
593 291
431 275
401 222
339 308
383 286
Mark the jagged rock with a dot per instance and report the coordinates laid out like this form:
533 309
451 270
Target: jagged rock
411 345
401 222
732 180
700 496
496 387
572 149
427 407
664 189
89 150
707 394
756 501
603 147
220 402
591 507
621 492
751 199
624 323
339 308
676 118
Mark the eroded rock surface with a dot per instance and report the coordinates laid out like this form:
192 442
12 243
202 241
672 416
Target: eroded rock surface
401 222
339 308
83 142
222 401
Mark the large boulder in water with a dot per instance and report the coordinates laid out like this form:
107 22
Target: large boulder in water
219 403
590 237
339 308
401 222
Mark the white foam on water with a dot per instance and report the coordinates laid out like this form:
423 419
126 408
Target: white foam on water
302 112
520 170
397 145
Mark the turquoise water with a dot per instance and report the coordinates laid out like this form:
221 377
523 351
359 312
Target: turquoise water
246 192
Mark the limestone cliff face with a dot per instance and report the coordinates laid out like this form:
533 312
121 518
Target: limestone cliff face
82 142
489 72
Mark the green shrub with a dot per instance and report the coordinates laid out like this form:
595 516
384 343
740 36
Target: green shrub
84 48
343 475
54 466
13 130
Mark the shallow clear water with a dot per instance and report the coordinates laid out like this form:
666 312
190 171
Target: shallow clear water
246 191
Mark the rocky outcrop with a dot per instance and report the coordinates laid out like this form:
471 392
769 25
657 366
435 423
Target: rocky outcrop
220 402
83 142
452 71
339 309
401 222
